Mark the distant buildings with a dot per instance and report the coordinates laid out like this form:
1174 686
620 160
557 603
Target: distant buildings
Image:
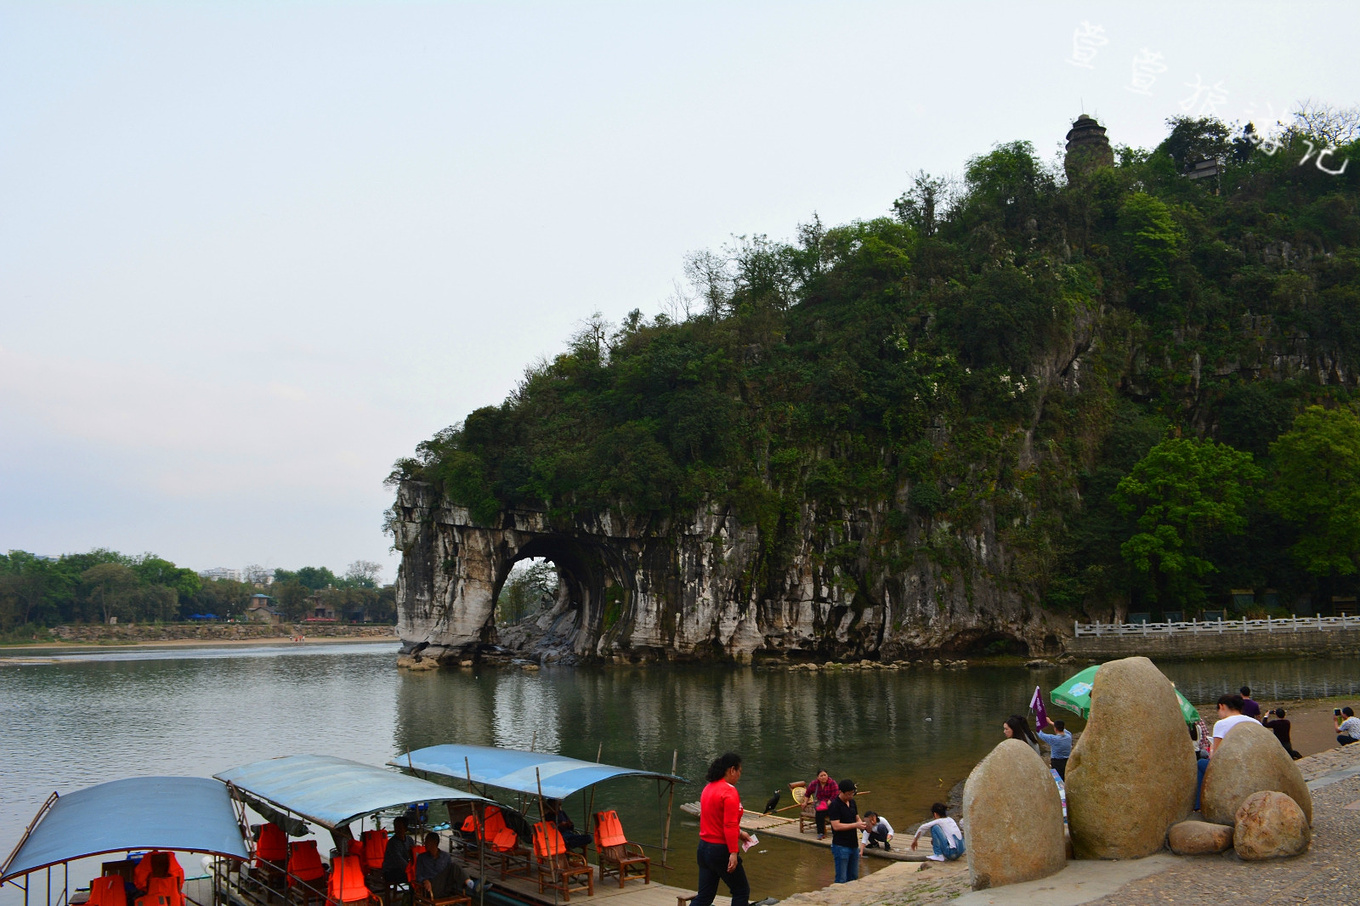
220 572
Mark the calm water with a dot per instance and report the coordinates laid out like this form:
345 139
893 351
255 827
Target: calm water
905 737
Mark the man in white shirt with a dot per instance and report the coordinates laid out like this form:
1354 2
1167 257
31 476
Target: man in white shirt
945 837
1348 730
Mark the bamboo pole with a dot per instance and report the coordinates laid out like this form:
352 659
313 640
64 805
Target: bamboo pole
479 812
670 802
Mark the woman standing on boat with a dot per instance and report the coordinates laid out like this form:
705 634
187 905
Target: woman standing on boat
720 834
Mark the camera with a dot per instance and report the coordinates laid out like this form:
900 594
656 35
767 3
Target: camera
1336 712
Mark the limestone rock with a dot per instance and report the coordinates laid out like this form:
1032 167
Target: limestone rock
1246 763
1270 825
1132 772
1015 827
1199 838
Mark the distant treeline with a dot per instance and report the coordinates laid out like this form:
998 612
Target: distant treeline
100 585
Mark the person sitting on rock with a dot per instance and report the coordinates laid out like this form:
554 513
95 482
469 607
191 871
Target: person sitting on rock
1229 715
1249 707
946 839
1348 730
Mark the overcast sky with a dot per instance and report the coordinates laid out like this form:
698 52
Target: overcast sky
252 253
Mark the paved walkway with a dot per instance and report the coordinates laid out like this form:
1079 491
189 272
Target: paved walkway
1328 873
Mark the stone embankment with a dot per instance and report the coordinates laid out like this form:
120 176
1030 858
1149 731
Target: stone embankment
133 633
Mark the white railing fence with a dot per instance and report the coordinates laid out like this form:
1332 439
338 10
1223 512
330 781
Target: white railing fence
1269 624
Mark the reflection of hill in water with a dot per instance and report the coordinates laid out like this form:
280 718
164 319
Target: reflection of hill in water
61 721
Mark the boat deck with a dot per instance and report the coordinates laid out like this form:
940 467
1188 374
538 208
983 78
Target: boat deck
787 829
525 890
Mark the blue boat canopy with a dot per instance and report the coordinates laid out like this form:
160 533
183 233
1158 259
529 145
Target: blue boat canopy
333 791
511 769
188 814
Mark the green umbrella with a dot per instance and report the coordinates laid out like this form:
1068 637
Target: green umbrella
1074 694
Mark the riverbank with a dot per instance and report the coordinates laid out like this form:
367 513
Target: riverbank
1325 874
250 634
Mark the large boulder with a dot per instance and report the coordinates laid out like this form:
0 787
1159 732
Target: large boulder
1132 774
1270 825
1015 823
1199 838
1246 762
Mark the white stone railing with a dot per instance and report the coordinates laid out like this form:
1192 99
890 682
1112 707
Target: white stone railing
1269 624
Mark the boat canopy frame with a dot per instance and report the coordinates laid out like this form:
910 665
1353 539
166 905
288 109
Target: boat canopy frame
183 814
333 792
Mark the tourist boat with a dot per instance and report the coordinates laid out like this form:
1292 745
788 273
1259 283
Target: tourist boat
175 814
198 815
537 777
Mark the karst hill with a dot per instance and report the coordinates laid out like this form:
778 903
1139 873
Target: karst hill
1031 396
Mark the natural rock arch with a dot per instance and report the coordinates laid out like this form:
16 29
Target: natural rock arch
636 590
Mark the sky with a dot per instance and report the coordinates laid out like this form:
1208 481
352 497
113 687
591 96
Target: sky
251 253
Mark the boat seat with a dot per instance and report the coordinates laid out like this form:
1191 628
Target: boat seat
346 882
617 855
160 864
162 891
558 867
306 873
375 847
109 890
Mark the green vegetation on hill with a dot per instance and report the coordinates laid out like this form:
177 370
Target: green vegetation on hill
1120 373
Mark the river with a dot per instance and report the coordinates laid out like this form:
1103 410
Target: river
74 719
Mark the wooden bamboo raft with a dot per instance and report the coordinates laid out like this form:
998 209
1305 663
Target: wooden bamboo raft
787 829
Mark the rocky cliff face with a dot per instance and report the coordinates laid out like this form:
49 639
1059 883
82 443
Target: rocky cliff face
690 591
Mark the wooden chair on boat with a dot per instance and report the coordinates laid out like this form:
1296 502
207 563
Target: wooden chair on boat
617 855
374 843
271 856
418 895
346 882
306 874
500 844
558 867
108 890
158 863
161 891
807 807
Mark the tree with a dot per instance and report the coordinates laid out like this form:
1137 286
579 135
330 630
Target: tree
1153 239
364 573
1333 125
531 587
255 574
1184 493
922 204
1194 139
1316 486
109 587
